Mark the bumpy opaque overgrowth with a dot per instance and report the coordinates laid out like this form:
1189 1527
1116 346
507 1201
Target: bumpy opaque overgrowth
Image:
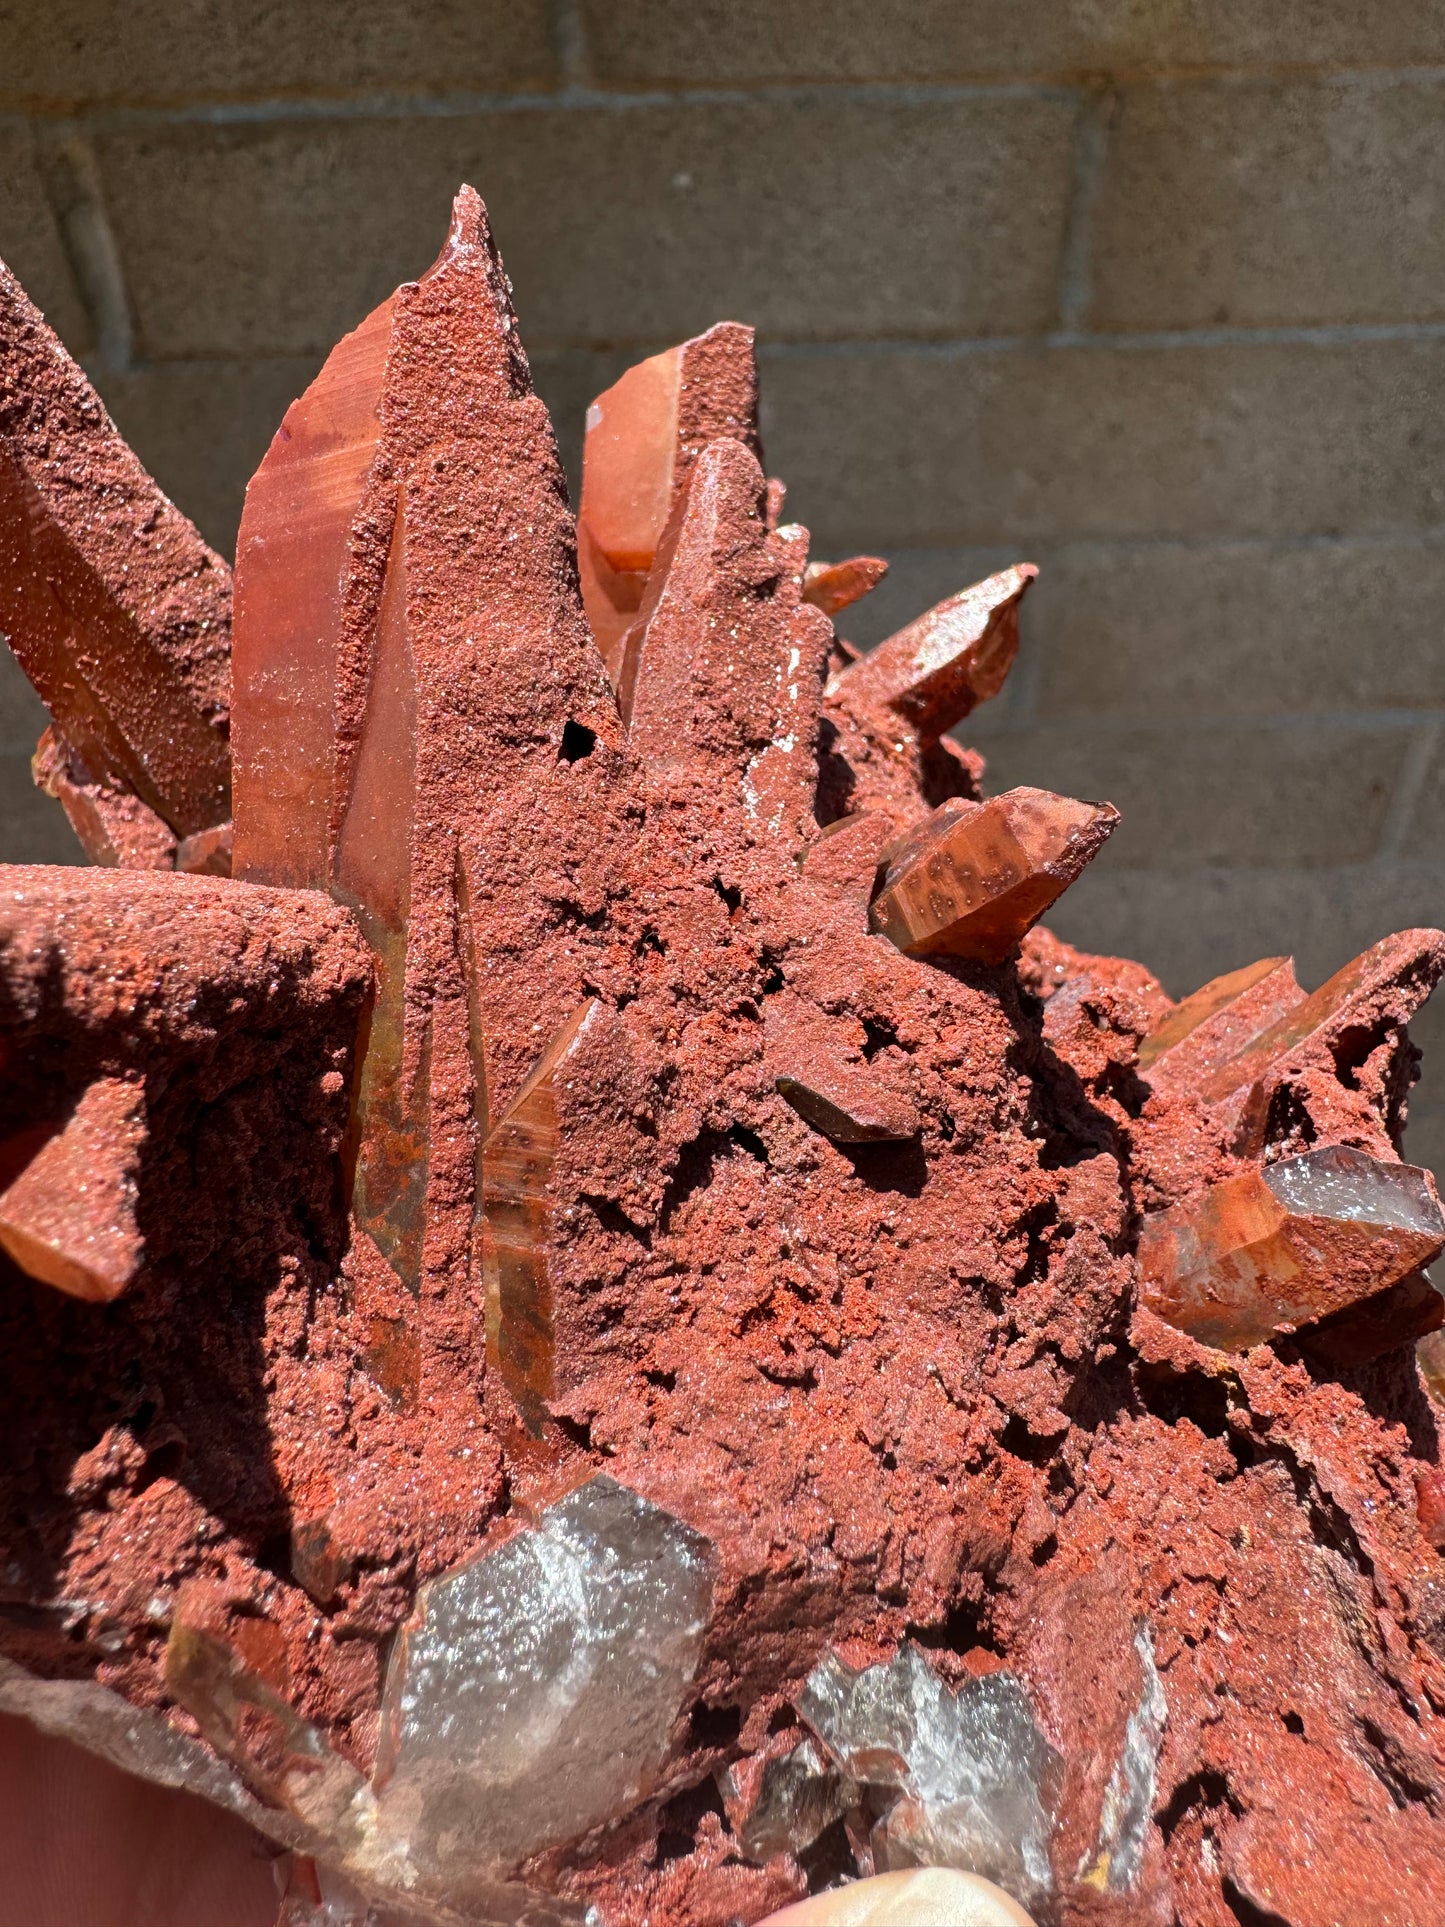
594 1316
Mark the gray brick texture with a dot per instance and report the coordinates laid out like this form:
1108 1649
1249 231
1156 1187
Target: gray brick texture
1154 297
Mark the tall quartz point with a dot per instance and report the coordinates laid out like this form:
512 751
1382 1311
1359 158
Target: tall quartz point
972 880
534 1691
1276 1248
1218 1021
643 436
976 1783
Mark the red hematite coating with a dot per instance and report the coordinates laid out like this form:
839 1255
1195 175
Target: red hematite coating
639 1232
117 610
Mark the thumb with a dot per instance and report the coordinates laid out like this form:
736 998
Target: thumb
932 1894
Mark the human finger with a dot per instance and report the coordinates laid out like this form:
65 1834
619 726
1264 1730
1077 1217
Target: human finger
935 1895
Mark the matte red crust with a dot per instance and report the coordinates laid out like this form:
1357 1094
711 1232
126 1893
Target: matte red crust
574 1120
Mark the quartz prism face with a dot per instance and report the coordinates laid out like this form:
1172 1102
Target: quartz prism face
117 610
1380 989
1274 1249
534 1693
835 586
975 1783
385 681
1218 1021
69 1218
936 671
579 1272
643 435
973 882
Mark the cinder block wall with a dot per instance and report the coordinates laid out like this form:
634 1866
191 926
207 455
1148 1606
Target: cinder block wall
1149 291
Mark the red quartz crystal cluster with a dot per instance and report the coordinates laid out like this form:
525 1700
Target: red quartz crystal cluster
594 1316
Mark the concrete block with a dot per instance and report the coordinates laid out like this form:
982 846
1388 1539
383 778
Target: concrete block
1196 794
711 41
22 714
978 447
1425 832
201 428
78 53
1261 204
1243 629
33 828
30 243
812 219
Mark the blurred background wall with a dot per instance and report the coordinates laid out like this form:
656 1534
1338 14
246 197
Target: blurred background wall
1151 292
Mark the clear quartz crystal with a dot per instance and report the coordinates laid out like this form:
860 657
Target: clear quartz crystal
1129 1797
800 1795
533 1693
976 1780
1339 1183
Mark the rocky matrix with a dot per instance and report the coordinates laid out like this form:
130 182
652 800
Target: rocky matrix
611 1324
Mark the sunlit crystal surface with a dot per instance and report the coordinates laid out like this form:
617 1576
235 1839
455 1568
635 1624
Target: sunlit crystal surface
643 435
69 1218
977 1780
1336 1182
533 1692
985 875
1271 1250
834 586
1219 1019
1128 1808
957 655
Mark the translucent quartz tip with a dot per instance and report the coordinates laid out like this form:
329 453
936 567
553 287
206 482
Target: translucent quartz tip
1274 1249
973 1783
533 1692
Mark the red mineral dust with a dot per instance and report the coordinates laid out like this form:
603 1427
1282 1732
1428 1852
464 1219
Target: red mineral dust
612 1330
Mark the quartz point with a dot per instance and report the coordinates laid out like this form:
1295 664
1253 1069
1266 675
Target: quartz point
117 610
534 1691
369 645
835 586
976 1784
783 1803
597 938
69 1218
957 655
972 881
516 1165
724 665
1218 1021
1281 1246
643 435
1380 989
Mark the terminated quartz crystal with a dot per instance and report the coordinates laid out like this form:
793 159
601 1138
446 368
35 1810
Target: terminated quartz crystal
117 610
370 644
69 1217
643 436
976 1782
1218 1021
1280 1247
972 882
537 1123
937 670
534 1691
834 586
